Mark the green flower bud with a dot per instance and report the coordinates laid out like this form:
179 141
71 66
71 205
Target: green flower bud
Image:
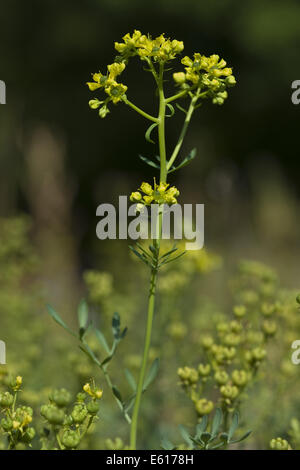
239 311
204 406
204 369
279 444
147 189
53 414
221 377
269 328
94 104
6 399
229 391
79 413
188 375
61 397
103 111
207 342
116 444
179 77
70 439
80 397
135 196
28 435
239 378
93 407
267 309
230 80
6 424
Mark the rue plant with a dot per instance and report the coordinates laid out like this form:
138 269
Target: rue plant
200 78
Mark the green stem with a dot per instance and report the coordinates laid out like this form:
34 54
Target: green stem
184 129
109 383
140 111
154 271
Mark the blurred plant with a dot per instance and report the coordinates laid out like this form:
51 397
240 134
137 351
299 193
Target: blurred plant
213 438
65 423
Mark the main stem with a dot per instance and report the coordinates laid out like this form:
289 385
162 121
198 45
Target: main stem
154 271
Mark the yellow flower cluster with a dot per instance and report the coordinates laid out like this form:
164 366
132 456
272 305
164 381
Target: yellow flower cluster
159 193
112 88
93 392
210 74
159 49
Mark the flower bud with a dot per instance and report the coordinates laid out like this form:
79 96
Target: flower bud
28 435
6 399
135 196
93 407
279 444
230 80
70 439
79 413
53 414
204 406
94 104
61 397
204 369
179 77
221 377
146 188
6 424
239 378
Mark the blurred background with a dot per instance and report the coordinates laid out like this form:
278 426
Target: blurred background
59 161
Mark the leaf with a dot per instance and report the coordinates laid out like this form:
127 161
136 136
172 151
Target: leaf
181 108
234 425
130 379
169 260
152 373
123 334
116 325
117 393
87 350
184 433
141 256
83 315
129 404
201 427
149 162
106 360
148 132
186 161
166 444
242 438
101 338
216 422
171 108
58 320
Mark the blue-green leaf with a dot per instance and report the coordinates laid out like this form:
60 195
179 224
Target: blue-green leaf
101 338
149 162
151 374
58 320
216 422
234 425
83 316
184 433
130 379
